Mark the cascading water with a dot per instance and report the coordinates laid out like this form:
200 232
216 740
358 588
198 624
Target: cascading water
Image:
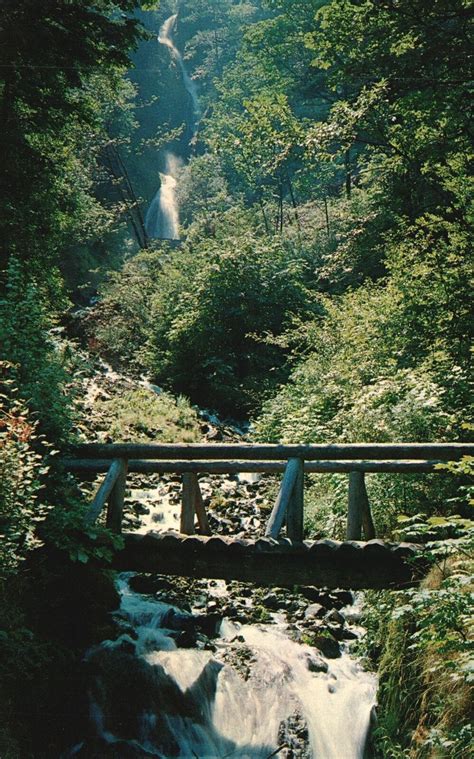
165 38
162 218
151 698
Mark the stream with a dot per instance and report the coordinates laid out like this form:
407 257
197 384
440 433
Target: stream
209 669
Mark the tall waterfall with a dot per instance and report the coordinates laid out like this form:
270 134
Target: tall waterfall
162 217
165 38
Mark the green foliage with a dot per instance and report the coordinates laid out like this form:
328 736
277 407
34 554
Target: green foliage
123 318
421 641
21 475
65 530
55 65
27 343
218 307
141 415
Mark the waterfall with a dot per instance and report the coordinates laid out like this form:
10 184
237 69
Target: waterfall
162 217
165 38
151 698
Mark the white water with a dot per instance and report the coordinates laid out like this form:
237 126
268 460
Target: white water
165 38
162 217
237 718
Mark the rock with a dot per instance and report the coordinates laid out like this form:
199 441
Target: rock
349 635
343 597
316 663
174 619
185 639
315 611
271 601
328 646
149 584
335 617
209 624
140 508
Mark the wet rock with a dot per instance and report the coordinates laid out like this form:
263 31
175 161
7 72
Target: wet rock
186 639
174 619
271 601
149 584
140 508
209 624
327 645
349 635
100 749
316 663
335 617
315 611
293 738
343 597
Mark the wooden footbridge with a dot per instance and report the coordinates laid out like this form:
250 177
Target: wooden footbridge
275 558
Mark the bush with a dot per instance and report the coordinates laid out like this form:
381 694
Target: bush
21 474
217 313
141 415
36 362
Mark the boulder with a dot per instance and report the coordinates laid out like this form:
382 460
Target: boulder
315 611
327 645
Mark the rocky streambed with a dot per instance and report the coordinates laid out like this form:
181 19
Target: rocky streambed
212 669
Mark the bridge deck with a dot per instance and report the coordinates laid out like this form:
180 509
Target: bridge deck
328 563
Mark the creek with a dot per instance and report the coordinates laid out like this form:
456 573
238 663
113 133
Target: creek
211 669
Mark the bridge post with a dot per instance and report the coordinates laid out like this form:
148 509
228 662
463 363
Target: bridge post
200 509
354 512
188 504
116 500
359 514
294 515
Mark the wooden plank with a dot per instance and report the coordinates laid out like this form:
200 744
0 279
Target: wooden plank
295 512
339 566
116 500
104 491
259 452
354 512
264 467
187 504
292 471
200 509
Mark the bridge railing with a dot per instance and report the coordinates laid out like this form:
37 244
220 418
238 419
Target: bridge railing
294 461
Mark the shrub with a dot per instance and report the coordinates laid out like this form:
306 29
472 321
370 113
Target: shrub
218 310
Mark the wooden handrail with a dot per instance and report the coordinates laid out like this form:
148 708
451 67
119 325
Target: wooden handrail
262 467
194 458
259 452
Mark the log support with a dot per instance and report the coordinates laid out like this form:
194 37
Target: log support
116 500
289 503
192 505
112 488
359 514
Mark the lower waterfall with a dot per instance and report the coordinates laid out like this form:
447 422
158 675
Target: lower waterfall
150 696
162 217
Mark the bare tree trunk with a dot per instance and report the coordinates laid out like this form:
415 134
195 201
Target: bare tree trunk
326 213
347 166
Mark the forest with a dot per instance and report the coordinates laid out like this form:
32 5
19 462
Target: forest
252 217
